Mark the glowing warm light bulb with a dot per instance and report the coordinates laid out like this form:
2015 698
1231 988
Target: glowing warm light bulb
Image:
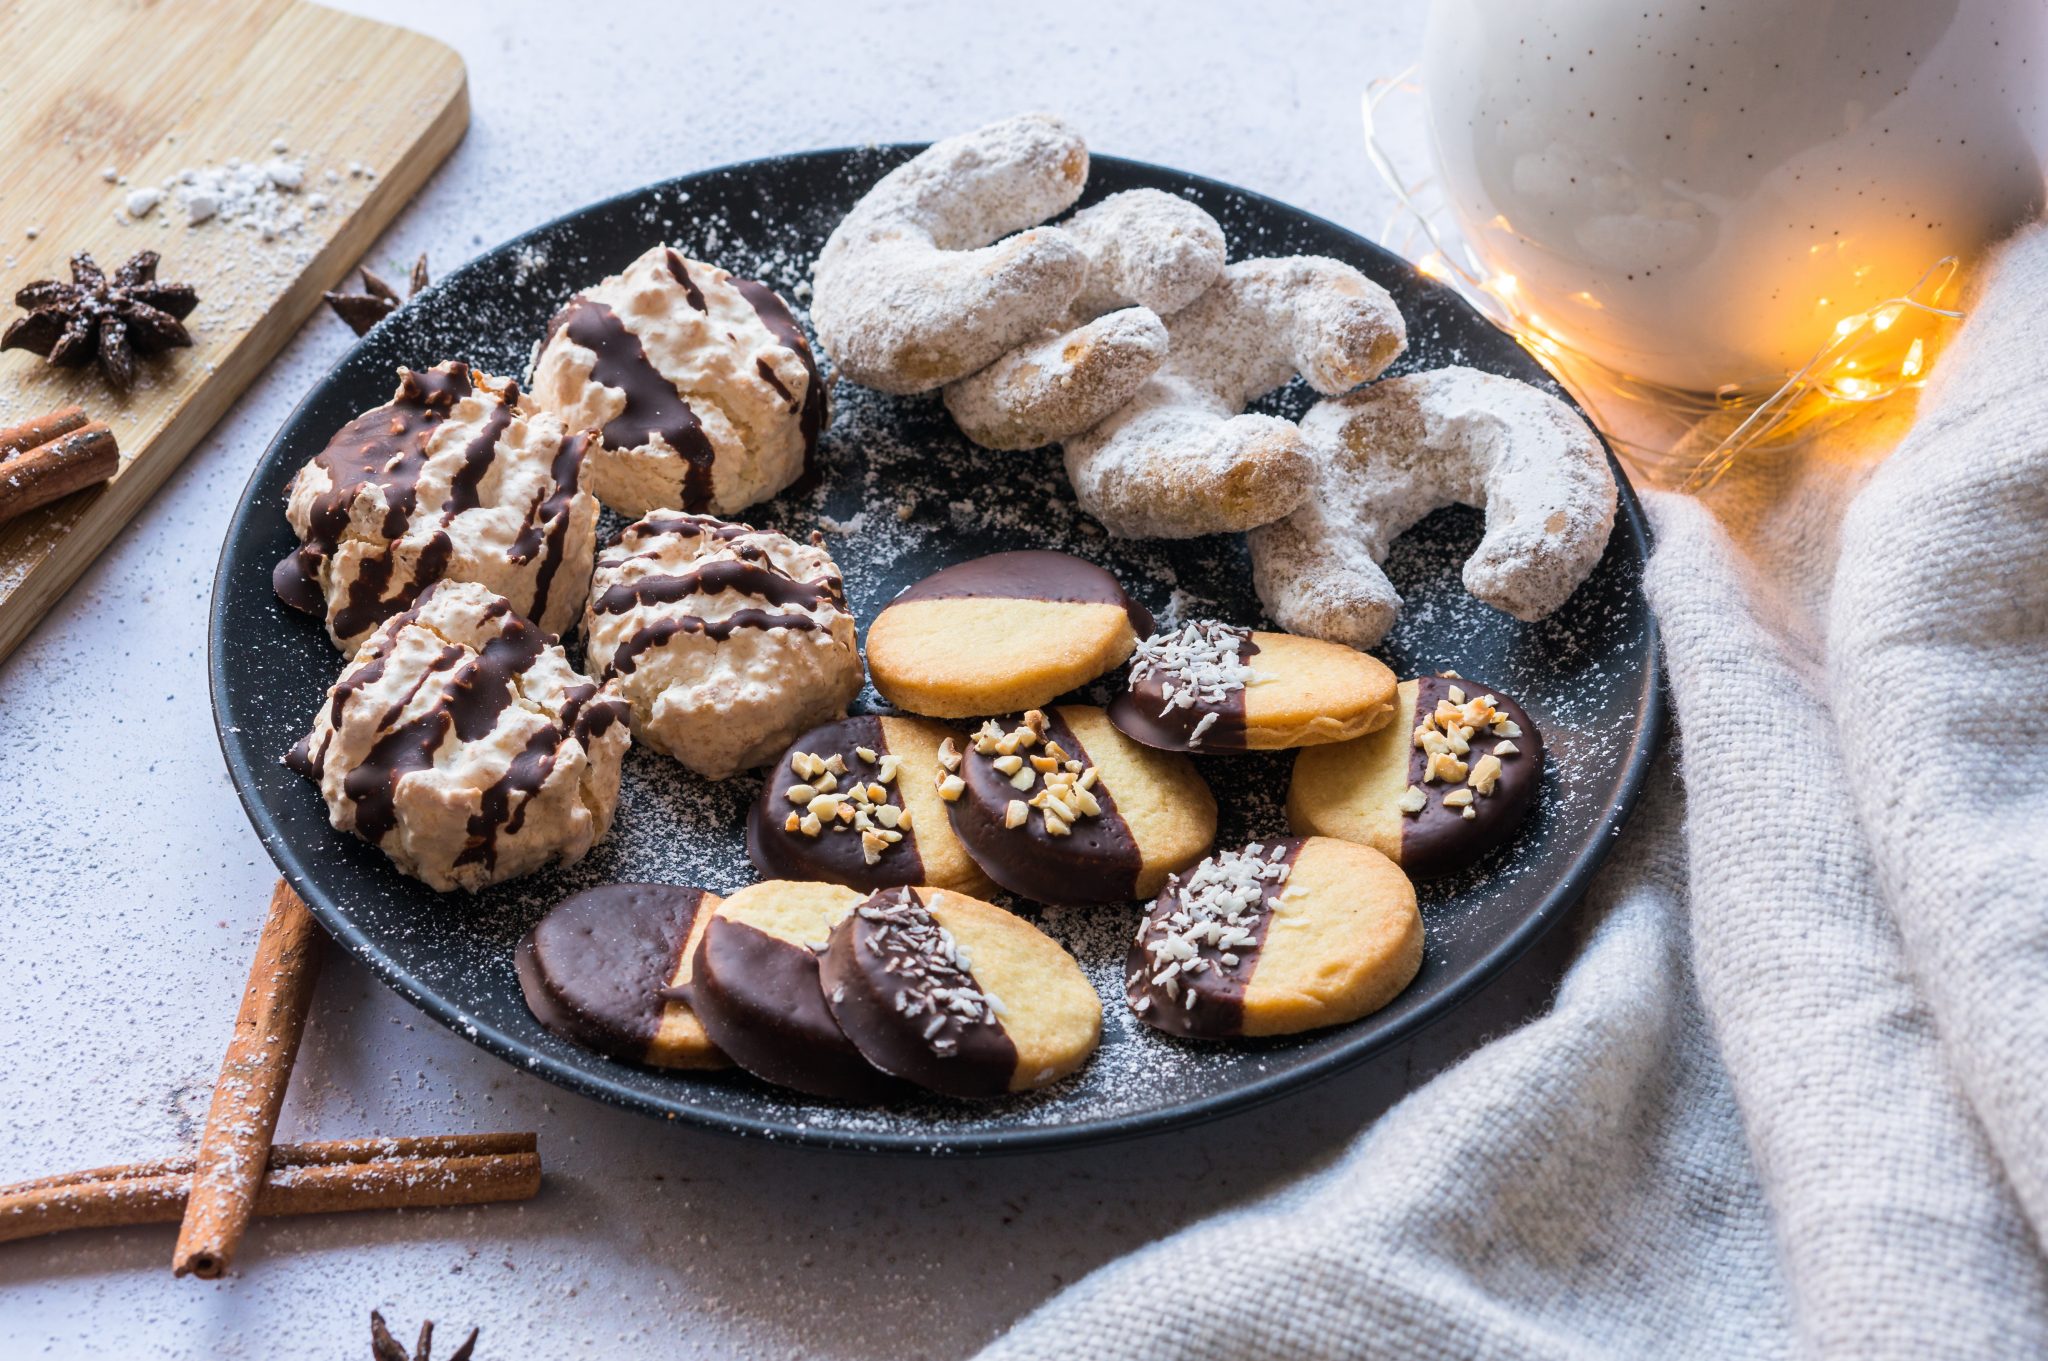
1916 356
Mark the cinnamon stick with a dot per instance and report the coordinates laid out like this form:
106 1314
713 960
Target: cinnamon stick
235 1149
51 457
316 1178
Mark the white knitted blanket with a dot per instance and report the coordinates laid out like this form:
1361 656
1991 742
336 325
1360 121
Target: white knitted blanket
1792 1097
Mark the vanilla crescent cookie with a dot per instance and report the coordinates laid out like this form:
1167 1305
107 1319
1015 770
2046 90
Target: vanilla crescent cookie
1060 807
454 478
1209 687
754 985
1005 632
923 283
1181 459
726 640
1450 778
702 389
1391 454
461 743
1150 254
854 802
1280 937
957 995
608 968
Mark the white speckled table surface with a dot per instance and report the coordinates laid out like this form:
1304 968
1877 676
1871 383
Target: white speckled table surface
133 887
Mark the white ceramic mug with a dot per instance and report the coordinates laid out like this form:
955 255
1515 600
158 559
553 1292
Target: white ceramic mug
1696 194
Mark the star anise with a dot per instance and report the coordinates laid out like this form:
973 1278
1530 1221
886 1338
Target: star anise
97 318
385 1347
377 300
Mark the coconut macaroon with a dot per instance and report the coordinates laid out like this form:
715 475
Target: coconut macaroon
1209 687
957 995
454 478
462 743
1279 937
726 640
703 389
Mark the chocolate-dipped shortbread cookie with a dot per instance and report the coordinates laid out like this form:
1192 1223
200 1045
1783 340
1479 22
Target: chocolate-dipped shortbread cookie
1279 937
609 968
452 479
1209 687
1060 807
754 986
703 391
1000 634
1450 778
958 995
856 803
462 744
727 640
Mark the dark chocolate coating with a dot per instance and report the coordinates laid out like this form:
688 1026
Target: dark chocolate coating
1096 862
864 995
1029 574
833 857
759 1000
1438 840
1218 1012
595 967
1136 713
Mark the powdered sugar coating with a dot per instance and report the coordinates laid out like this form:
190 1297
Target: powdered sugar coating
1149 254
1180 460
703 335
916 287
503 541
721 677
413 673
1389 455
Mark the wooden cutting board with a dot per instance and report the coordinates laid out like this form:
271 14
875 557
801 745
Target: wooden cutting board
150 91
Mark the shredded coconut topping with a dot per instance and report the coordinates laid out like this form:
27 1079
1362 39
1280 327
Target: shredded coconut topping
1216 908
1197 664
930 969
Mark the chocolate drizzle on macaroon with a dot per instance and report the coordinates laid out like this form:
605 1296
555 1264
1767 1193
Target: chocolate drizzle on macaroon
1474 765
1057 838
653 406
1198 946
817 816
774 315
904 992
595 969
1029 574
1186 690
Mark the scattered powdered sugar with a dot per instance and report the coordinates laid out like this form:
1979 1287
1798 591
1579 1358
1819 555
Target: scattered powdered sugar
902 495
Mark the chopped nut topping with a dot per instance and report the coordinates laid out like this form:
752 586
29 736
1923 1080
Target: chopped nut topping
1415 800
802 794
865 753
1054 826
1458 798
1471 812
1506 749
1044 763
951 787
889 815
949 755
1457 695
886 768
836 763
1443 766
1507 727
1017 814
790 823
902 818
1485 774
1024 778
871 847
810 826
826 783
1008 764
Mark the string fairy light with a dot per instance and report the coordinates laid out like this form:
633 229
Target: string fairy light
1871 355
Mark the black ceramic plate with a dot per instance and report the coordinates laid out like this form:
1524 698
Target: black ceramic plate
902 494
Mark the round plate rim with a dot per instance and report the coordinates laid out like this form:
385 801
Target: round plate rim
1563 894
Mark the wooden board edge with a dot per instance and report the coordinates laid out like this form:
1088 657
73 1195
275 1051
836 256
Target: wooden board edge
111 507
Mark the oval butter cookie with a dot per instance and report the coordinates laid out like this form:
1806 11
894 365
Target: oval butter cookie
856 803
1001 634
608 967
1212 687
1279 937
755 988
958 995
1450 778
1060 807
